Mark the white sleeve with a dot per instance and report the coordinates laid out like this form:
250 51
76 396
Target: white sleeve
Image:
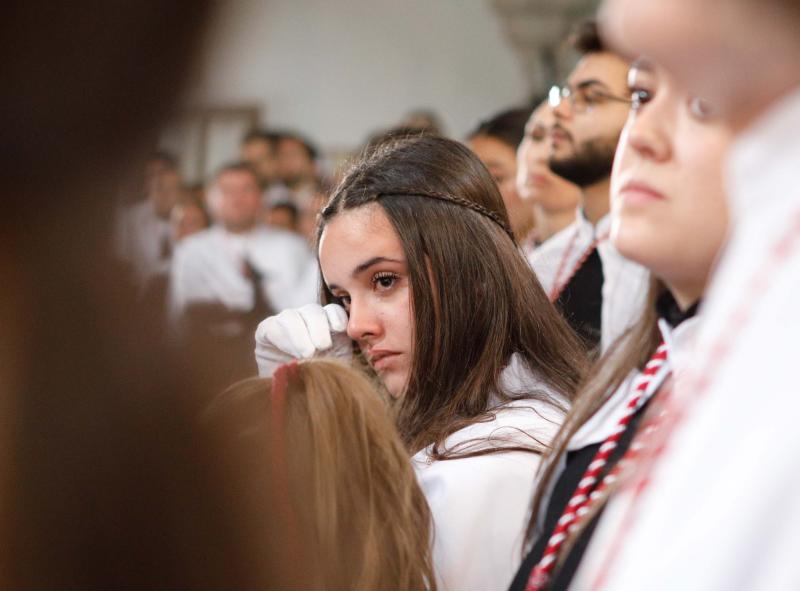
295 284
479 507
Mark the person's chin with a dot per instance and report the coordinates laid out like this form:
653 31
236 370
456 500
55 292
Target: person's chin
395 383
632 243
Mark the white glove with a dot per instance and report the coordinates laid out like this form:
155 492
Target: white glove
302 333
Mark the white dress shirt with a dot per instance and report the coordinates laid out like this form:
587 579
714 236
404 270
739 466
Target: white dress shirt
722 507
141 238
480 504
209 267
625 283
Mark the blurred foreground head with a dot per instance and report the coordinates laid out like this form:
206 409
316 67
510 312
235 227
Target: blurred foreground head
338 476
741 55
106 479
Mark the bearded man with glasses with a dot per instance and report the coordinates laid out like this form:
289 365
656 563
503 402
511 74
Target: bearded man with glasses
599 292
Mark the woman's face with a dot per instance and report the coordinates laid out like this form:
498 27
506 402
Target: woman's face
667 199
500 159
364 266
535 180
728 51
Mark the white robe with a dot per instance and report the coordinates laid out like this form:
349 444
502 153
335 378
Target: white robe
722 508
480 504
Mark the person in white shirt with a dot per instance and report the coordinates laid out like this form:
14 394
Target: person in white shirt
718 508
217 264
554 200
226 278
422 273
668 214
144 234
599 292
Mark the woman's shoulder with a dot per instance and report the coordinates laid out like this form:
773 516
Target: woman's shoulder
529 424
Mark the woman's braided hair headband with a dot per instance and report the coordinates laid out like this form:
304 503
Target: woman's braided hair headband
476 207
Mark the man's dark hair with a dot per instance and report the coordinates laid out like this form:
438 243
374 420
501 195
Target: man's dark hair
262 135
507 126
168 159
294 211
310 149
238 166
585 38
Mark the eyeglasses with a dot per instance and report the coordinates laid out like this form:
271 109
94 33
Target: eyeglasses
584 98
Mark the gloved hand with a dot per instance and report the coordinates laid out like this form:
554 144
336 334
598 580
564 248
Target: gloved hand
302 333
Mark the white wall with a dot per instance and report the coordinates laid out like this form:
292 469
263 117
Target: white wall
338 70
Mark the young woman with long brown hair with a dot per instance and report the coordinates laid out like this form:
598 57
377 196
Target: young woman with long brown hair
338 476
668 214
421 271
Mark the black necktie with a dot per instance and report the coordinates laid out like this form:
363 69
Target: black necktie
261 307
166 247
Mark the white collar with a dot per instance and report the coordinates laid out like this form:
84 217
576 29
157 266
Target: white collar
604 422
515 422
602 226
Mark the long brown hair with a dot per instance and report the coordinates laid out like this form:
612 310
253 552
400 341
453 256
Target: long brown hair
340 476
475 299
630 352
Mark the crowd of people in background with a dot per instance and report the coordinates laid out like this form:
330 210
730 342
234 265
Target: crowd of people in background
557 353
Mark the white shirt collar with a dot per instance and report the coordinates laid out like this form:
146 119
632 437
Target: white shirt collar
603 423
602 226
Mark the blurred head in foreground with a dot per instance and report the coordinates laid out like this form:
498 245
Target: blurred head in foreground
107 480
340 480
741 55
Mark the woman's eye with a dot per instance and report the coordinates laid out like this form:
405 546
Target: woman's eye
640 97
344 302
384 281
701 108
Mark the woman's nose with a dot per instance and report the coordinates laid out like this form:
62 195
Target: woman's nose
363 322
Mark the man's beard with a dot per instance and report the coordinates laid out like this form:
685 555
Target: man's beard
591 162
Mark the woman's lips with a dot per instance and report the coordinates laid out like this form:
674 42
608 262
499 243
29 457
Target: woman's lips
381 360
635 192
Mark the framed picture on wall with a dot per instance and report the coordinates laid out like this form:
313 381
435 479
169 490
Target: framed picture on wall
205 138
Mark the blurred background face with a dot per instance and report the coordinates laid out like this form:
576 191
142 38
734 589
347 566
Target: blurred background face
739 54
668 206
586 130
294 162
501 161
262 157
535 181
187 218
282 216
307 225
166 191
236 200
